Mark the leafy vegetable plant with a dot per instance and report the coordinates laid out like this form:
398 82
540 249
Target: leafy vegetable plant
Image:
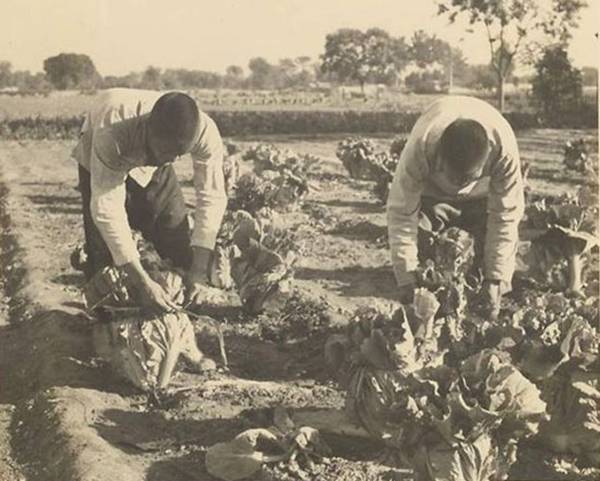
448 423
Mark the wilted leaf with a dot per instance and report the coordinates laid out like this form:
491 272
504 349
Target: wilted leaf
464 461
241 457
426 305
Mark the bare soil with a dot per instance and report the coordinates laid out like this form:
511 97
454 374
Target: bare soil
65 415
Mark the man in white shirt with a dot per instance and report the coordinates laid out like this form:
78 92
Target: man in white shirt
128 143
460 167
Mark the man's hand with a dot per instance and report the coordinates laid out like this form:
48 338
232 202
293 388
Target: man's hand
196 278
489 299
150 294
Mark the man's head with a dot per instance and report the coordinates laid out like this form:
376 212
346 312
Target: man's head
173 127
464 148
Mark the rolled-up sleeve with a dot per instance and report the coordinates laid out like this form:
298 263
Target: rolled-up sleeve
107 202
209 184
506 204
403 206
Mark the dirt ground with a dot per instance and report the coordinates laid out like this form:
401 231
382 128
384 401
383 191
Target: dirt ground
70 418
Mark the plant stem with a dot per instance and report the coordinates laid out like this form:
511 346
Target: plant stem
575 267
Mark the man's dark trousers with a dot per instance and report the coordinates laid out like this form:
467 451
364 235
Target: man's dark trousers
158 211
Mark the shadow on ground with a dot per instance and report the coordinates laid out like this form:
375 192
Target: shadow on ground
252 357
151 431
75 279
360 230
57 204
356 281
54 348
358 206
187 467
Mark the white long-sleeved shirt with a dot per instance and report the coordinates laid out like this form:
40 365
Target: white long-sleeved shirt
112 146
420 172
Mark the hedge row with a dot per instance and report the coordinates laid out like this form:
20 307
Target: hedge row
40 128
237 123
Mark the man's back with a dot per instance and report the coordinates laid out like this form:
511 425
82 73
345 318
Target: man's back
424 143
110 107
424 174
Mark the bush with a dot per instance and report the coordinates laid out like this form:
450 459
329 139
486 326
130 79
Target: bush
233 123
239 123
355 152
38 128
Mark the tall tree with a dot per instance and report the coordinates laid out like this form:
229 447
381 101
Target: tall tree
557 86
71 70
515 25
152 78
354 55
260 73
234 76
234 71
344 55
427 49
306 71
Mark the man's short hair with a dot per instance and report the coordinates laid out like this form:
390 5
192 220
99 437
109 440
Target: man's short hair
175 119
463 145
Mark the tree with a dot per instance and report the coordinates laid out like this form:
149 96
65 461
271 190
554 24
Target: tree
557 85
170 79
426 50
353 55
343 55
306 73
5 74
234 76
516 25
378 56
25 81
260 73
71 70
590 76
234 71
151 78
400 52
285 73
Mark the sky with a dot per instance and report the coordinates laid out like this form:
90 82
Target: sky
122 36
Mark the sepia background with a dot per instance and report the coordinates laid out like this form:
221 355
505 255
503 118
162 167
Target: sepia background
314 87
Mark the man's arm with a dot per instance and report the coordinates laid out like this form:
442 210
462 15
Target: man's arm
506 204
211 199
403 206
107 203
107 207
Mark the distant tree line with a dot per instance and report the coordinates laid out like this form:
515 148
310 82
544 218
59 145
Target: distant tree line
351 57
532 32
